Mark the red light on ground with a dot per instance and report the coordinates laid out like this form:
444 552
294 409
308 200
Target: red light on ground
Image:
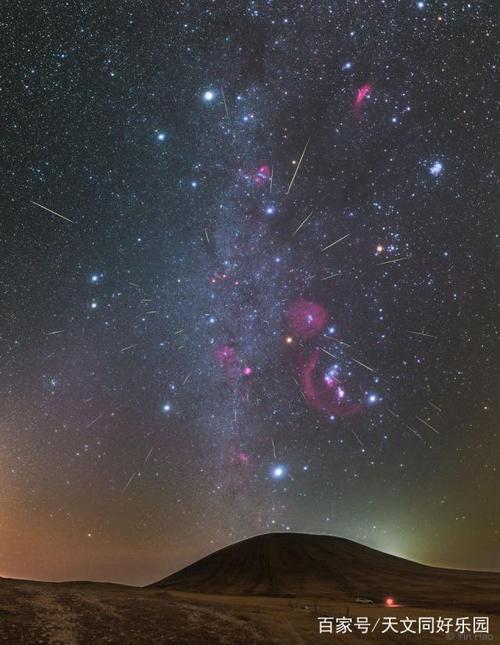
389 602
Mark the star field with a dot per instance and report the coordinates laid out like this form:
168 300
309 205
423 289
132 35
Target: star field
249 274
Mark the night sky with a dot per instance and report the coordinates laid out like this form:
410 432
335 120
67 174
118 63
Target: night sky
248 281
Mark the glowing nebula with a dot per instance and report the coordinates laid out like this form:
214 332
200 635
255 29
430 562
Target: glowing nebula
361 95
263 175
242 458
226 355
228 358
326 395
306 319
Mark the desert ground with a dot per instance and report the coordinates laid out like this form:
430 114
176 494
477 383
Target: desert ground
80 613
267 600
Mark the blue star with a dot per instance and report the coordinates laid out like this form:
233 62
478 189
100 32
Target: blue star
278 472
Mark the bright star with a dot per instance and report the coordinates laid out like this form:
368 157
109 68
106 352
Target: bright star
278 472
208 95
161 136
167 407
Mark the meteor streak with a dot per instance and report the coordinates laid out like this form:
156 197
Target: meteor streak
362 364
128 483
336 242
421 333
302 224
53 212
427 424
298 166
393 261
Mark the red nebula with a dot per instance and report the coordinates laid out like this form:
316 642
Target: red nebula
306 319
325 396
226 355
238 468
228 358
360 97
242 458
263 175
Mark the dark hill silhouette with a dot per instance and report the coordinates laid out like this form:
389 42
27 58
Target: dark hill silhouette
295 564
268 589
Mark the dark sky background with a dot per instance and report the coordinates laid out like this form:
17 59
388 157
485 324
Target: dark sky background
184 362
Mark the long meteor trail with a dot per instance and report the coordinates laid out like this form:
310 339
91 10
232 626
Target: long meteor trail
298 166
53 212
336 242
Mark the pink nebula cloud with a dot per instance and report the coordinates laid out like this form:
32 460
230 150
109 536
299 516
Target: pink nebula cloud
263 175
362 93
328 397
226 355
305 319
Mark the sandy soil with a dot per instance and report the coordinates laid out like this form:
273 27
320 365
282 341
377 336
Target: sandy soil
87 613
